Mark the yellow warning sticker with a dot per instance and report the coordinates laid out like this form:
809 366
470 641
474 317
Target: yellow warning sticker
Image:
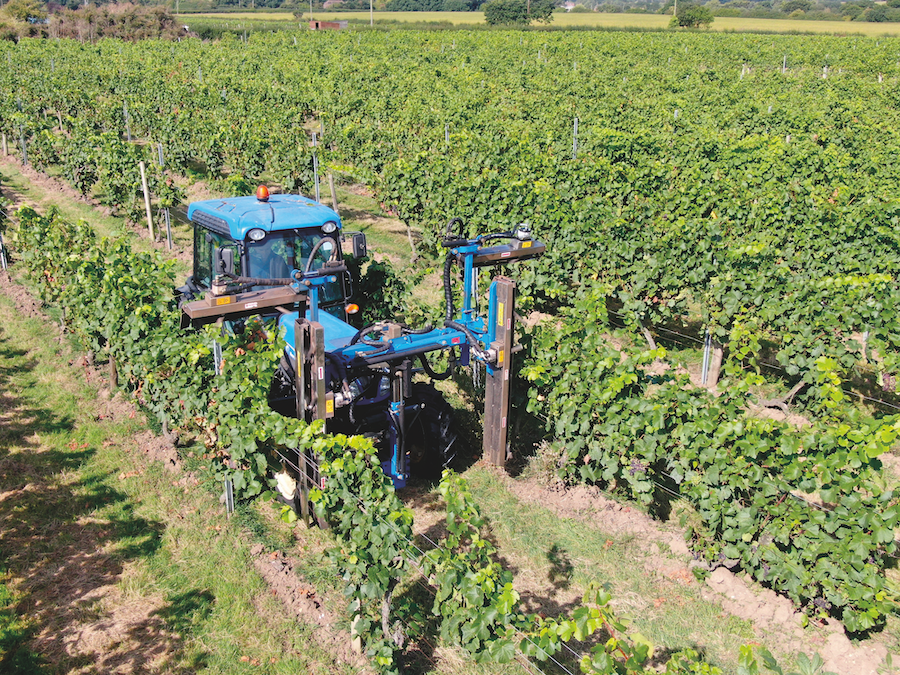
329 407
526 244
224 301
500 357
500 309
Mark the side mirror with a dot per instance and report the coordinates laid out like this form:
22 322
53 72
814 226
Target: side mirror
359 245
224 260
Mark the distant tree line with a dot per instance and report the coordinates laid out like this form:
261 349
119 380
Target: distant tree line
432 5
88 23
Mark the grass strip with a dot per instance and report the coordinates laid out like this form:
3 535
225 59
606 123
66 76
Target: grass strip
113 560
566 555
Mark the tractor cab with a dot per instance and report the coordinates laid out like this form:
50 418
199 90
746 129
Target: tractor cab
266 237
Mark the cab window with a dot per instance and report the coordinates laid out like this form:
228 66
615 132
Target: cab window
276 256
205 244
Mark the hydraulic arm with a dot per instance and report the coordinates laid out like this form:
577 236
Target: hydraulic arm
331 361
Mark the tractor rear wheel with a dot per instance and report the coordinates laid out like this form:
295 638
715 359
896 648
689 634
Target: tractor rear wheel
430 437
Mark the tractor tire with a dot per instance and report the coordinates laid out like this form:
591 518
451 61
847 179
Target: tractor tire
431 439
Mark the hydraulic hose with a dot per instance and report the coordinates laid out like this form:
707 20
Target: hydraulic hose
416 331
315 249
470 336
498 235
448 291
253 281
430 371
363 332
453 221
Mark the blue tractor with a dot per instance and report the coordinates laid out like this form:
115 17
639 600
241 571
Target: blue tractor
284 255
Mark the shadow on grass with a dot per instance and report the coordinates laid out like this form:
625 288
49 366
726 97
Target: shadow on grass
66 534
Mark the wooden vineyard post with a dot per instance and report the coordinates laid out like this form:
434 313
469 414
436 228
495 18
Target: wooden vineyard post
315 159
24 146
334 201
125 119
113 373
496 386
715 363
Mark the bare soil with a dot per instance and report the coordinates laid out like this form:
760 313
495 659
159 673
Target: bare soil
301 600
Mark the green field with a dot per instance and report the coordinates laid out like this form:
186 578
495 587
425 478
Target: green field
594 20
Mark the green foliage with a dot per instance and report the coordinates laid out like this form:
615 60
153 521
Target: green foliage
117 300
697 196
374 531
506 12
475 603
693 16
749 479
25 10
793 5
383 294
126 21
517 12
414 5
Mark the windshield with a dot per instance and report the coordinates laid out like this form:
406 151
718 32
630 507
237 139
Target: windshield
281 252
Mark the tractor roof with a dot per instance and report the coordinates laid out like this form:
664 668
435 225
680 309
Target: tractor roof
236 216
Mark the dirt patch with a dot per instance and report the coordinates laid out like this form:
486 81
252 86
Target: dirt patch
775 616
52 186
359 189
25 303
587 503
891 463
301 601
127 637
158 449
195 191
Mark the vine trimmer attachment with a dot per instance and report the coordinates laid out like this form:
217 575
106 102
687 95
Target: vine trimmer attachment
283 254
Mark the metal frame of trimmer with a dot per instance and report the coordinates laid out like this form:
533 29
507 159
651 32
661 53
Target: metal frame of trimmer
485 339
